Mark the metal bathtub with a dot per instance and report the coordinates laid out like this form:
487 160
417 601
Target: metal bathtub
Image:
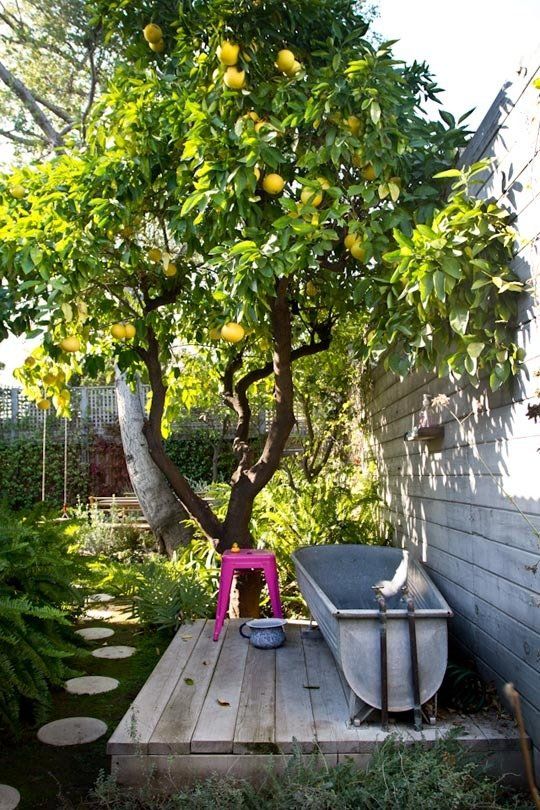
337 583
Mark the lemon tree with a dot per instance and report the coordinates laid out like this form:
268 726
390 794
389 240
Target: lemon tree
253 176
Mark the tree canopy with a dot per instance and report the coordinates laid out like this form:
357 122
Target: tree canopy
254 178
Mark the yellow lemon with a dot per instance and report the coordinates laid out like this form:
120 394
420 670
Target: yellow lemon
17 191
157 47
311 289
285 60
234 79
311 196
118 331
70 344
354 124
43 404
253 115
214 333
130 331
49 378
154 254
350 240
30 362
228 53
171 270
358 251
368 172
357 160
273 183
296 68
323 182
232 332
152 33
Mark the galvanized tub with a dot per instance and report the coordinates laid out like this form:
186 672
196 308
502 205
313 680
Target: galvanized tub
337 583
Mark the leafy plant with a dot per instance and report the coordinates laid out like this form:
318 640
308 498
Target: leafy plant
36 594
399 776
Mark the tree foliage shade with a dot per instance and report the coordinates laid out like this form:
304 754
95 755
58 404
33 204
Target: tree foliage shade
297 205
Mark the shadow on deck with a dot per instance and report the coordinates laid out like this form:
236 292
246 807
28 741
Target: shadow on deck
226 707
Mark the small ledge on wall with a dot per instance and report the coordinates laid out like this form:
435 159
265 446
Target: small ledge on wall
429 433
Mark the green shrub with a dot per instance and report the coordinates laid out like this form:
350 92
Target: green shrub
36 594
400 777
20 461
111 533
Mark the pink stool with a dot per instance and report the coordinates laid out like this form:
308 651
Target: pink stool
251 558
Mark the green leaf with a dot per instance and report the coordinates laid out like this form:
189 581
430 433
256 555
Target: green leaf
451 266
447 173
375 112
475 349
438 282
459 319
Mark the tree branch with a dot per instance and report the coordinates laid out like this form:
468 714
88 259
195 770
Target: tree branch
25 96
26 141
54 108
195 505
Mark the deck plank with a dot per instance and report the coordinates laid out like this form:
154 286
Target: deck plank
174 730
255 724
294 714
329 704
214 732
137 726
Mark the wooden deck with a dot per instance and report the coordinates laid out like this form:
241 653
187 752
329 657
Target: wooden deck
226 707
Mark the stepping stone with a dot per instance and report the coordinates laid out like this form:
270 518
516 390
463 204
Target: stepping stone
90 685
101 597
114 652
95 633
9 797
72 731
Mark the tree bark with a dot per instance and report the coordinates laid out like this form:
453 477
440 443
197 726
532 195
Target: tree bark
162 510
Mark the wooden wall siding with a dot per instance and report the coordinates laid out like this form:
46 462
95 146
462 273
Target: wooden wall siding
455 504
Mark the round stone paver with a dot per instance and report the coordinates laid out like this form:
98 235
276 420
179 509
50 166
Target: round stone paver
114 652
72 731
9 797
90 685
95 633
101 597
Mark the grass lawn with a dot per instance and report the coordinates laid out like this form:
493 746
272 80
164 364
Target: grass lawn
51 777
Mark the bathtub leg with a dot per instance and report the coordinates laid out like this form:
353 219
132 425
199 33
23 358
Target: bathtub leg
358 710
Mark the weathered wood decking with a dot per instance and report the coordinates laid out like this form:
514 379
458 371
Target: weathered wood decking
226 707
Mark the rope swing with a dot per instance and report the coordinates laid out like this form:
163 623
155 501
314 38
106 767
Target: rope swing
64 514
44 456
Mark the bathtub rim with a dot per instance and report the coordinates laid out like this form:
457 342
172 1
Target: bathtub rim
444 611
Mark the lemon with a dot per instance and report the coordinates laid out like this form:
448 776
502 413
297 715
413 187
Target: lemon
368 172
350 240
43 404
70 344
273 184
214 333
30 362
228 53
152 33
311 289
118 331
354 124
171 270
17 191
130 331
49 378
311 196
154 254
232 332
157 47
358 251
234 79
296 68
285 60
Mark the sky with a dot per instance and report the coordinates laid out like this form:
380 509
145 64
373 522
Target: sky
472 46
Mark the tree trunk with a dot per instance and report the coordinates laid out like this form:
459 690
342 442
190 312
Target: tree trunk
160 506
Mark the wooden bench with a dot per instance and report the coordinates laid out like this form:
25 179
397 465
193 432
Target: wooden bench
127 507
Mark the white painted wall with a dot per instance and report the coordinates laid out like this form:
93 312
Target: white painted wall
455 503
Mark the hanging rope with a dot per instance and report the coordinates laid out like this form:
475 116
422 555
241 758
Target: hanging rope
64 507
44 455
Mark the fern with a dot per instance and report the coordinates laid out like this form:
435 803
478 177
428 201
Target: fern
36 598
